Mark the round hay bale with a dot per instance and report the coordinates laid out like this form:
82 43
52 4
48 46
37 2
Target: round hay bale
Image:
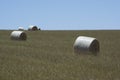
18 35
33 28
85 44
39 29
21 28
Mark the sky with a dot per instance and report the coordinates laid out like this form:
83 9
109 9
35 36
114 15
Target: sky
60 14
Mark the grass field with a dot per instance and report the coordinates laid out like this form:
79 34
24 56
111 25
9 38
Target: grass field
48 55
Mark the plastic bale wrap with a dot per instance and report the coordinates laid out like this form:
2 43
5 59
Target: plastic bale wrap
18 35
20 28
33 28
85 44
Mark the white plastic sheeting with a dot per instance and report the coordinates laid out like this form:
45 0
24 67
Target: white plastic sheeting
86 44
18 35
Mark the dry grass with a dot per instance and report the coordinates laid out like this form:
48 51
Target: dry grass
48 55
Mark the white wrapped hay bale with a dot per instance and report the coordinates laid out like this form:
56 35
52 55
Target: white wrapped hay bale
20 28
18 35
32 28
85 44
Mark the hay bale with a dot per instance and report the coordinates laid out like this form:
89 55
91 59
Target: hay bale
85 44
39 29
18 35
21 28
32 28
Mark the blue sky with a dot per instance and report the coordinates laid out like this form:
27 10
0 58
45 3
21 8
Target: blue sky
60 14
